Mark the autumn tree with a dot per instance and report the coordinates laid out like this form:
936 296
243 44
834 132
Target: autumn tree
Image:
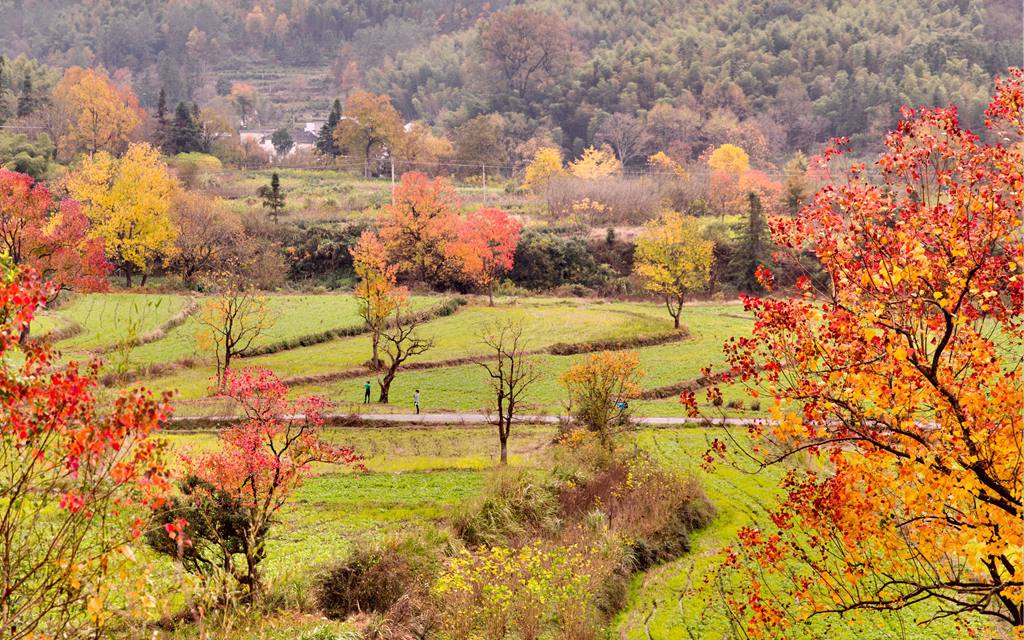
419 227
546 164
673 259
600 388
730 159
525 48
400 343
370 127
905 380
594 164
511 374
243 96
230 320
378 293
422 148
98 116
486 247
128 202
209 236
78 481
49 236
625 134
229 498
273 198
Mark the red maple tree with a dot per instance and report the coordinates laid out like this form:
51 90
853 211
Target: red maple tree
903 382
486 247
261 462
50 236
78 481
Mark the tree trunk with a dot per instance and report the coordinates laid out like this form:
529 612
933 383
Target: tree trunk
128 276
490 295
375 360
385 387
142 283
223 373
675 319
504 448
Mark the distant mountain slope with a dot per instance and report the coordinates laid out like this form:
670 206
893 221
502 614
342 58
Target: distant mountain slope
794 71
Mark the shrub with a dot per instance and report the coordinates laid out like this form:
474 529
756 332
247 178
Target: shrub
378 575
624 200
513 506
654 509
545 260
323 633
528 590
734 404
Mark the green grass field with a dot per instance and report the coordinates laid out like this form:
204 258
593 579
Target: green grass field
104 319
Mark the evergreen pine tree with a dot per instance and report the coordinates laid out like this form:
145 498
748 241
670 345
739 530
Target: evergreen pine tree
27 98
325 144
161 136
196 136
273 198
183 133
751 247
3 92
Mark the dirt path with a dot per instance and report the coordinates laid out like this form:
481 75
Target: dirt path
350 419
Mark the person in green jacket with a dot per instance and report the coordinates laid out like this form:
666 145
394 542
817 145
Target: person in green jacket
366 392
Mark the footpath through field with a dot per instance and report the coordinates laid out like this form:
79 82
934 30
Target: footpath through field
483 418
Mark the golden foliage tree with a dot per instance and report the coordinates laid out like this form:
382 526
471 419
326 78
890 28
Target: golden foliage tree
546 164
730 159
673 259
378 294
600 388
128 201
98 116
594 164
370 126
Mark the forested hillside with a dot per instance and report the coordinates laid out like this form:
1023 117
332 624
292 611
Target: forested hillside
775 75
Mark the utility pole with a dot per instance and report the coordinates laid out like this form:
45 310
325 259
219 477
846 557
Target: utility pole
483 178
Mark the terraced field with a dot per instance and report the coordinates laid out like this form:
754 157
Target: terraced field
447 376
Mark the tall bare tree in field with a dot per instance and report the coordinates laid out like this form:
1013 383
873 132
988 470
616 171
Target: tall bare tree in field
400 343
511 373
231 320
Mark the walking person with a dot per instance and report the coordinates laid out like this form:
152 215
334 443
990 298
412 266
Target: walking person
416 401
366 392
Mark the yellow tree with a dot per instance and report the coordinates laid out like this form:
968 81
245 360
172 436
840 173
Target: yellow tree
673 259
377 292
128 201
98 116
662 163
730 159
546 164
600 388
370 126
594 164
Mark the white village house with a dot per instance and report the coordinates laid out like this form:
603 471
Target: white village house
304 139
